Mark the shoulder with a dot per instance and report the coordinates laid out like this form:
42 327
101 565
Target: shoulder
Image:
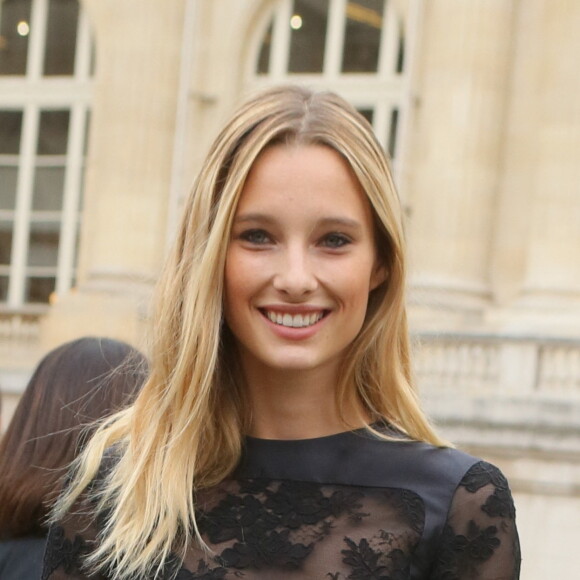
404 463
441 477
24 545
479 537
467 503
21 558
486 488
438 474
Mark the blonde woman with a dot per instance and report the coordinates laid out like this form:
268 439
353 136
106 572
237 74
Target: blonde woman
279 435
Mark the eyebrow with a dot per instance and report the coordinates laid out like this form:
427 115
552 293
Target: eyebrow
327 221
254 217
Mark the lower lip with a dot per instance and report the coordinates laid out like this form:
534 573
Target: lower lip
292 333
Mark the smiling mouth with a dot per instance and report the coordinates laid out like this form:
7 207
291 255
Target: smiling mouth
294 320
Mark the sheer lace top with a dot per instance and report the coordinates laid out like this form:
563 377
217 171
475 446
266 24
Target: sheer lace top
343 507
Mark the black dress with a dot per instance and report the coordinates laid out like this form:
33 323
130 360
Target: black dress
342 507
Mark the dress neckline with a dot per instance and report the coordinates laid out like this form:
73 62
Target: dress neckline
381 425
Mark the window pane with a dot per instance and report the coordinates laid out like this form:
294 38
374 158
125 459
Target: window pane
61 37
53 133
265 49
14 34
39 289
308 37
10 129
3 288
87 133
43 244
8 180
392 140
76 253
48 189
401 54
81 198
93 65
368 114
362 36
5 242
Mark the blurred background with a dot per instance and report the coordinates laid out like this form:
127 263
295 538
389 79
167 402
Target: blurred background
107 108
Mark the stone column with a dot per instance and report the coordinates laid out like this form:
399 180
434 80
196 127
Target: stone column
123 232
537 246
462 75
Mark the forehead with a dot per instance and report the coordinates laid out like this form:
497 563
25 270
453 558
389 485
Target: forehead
314 176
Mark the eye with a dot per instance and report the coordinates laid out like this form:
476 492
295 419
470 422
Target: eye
335 240
258 237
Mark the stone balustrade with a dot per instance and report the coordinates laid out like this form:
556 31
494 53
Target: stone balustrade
510 392
16 328
498 364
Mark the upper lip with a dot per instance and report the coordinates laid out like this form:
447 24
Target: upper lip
293 308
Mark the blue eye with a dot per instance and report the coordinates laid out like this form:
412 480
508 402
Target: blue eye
335 240
258 237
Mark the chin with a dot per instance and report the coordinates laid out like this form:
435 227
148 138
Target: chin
289 362
292 365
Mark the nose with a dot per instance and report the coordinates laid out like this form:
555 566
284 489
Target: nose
295 276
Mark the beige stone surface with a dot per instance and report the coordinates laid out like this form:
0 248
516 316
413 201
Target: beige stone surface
9 402
492 178
549 533
538 224
461 92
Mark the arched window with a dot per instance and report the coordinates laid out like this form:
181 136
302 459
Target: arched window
45 90
356 48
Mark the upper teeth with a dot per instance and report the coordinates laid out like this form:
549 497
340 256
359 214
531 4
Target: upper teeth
296 320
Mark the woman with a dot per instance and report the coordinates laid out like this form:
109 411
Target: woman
72 386
279 434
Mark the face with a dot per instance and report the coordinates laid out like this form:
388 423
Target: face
301 260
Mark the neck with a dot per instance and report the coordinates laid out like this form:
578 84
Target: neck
298 404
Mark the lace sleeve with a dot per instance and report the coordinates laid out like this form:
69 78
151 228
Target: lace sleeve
74 537
480 538
69 541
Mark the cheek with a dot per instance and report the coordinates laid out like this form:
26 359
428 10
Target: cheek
240 282
357 289
361 277
230 280
233 273
232 284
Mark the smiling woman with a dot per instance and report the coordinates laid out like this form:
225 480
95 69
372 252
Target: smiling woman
279 434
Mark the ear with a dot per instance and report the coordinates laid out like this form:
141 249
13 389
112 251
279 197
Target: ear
378 275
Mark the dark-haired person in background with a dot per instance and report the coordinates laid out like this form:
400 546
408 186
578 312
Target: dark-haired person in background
73 386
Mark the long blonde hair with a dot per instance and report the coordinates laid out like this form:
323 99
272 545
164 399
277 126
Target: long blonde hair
185 431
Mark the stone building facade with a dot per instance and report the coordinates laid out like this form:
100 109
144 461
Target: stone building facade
477 102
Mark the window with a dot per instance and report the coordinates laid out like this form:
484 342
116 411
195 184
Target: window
355 48
45 89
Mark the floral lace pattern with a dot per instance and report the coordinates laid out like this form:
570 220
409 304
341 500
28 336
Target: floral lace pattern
265 529
261 529
480 539
63 554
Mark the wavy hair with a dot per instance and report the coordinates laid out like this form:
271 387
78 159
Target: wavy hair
185 431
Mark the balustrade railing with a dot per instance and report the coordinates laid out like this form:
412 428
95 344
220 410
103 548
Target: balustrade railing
498 364
19 327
